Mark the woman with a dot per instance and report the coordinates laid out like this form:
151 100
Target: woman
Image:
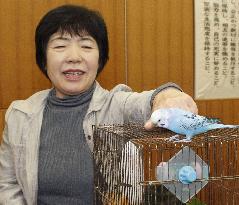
45 156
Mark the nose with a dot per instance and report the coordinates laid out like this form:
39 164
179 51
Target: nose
74 54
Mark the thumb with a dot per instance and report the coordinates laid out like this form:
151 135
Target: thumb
153 121
149 125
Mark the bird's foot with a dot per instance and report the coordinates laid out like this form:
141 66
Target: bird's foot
184 140
173 138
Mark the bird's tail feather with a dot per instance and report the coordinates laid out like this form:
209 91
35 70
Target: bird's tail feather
213 120
217 126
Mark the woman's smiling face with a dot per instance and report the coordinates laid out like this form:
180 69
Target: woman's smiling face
72 63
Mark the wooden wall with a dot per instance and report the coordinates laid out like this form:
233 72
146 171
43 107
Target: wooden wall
151 42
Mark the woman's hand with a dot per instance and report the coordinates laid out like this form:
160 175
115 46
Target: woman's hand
169 98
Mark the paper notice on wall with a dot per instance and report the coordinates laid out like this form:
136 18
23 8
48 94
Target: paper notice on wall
216 49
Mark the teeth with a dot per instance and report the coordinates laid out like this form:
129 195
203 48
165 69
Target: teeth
73 73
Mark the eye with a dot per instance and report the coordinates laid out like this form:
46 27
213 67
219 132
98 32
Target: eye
59 47
86 47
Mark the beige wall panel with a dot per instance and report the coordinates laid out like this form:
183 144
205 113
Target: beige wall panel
214 108
148 52
235 117
8 51
225 110
175 48
162 38
187 81
134 44
147 43
158 50
18 70
114 72
228 111
202 107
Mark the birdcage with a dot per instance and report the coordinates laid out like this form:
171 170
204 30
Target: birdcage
135 166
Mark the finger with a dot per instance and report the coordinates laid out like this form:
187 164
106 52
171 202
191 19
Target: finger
149 125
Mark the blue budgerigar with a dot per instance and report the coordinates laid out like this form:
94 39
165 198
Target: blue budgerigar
185 123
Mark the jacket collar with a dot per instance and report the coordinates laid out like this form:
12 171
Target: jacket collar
98 98
33 104
37 101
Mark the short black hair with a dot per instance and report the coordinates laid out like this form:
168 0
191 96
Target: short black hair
75 20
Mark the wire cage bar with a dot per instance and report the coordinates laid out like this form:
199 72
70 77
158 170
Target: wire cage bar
127 158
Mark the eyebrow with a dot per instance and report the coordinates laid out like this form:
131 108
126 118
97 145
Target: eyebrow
84 38
58 38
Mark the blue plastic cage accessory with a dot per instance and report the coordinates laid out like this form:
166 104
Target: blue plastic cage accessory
184 175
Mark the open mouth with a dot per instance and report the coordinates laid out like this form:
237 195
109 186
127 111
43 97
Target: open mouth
73 75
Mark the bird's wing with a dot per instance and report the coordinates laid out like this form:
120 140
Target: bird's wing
187 123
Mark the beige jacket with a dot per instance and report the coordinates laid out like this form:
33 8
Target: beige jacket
19 149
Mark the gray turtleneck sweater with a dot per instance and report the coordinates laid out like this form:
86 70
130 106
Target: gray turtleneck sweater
65 169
